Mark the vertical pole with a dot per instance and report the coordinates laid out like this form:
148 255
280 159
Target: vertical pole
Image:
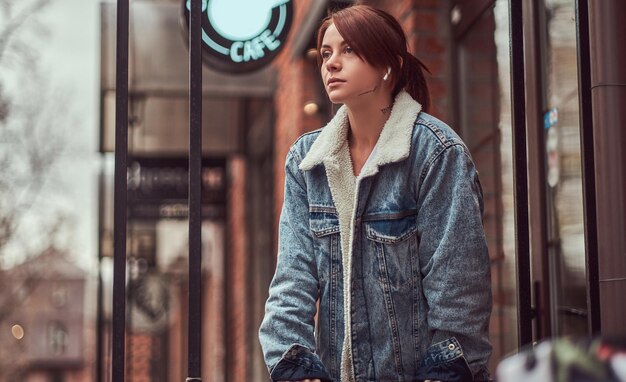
537 184
119 218
588 167
195 206
522 245
100 294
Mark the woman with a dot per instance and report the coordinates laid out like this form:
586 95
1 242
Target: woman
380 228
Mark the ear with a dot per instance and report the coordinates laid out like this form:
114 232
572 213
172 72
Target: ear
387 73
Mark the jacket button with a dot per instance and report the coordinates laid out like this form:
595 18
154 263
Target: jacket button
451 346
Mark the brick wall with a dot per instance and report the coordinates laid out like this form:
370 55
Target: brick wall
427 27
295 87
236 277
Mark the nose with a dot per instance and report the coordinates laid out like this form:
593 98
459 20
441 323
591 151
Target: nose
333 64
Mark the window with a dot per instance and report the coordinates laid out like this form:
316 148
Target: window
57 338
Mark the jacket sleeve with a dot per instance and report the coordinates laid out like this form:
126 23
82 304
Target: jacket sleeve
453 256
287 331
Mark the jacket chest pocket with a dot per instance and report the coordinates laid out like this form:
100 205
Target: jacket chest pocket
393 237
325 231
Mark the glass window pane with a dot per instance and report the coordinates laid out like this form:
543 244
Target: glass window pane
565 204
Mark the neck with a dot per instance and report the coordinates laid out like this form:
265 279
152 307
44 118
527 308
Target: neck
367 120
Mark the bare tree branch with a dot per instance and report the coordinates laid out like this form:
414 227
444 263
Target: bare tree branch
13 24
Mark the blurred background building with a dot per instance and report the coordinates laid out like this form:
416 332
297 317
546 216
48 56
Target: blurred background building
58 327
47 319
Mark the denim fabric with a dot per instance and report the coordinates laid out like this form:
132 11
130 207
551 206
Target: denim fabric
444 361
420 267
298 363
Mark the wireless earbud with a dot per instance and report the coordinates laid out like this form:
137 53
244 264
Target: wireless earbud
387 74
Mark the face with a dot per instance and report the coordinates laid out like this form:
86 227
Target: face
347 78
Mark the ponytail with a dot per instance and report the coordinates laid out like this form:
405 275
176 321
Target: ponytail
414 81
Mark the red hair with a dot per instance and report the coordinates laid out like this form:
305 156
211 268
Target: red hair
378 39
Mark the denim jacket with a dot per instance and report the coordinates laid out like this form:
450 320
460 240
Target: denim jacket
411 298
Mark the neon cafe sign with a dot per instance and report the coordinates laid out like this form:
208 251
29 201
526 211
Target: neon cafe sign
241 36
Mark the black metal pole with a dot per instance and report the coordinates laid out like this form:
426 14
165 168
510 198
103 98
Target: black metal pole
520 162
195 184
588 166
119 218
100 294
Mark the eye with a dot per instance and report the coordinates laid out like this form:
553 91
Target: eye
325 54
348 50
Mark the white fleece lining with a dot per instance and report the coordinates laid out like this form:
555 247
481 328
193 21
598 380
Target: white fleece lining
393 145
394 141
344 188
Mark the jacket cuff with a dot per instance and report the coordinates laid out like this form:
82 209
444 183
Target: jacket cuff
299 363
445 361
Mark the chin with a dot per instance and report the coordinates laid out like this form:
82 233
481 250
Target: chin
337 97
336 101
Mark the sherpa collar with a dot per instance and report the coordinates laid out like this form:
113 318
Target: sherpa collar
393 144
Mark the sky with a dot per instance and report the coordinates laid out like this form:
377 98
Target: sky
73 56
69 56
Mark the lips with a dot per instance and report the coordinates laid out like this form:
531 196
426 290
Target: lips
335 81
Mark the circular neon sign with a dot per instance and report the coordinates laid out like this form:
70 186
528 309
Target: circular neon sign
241 36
